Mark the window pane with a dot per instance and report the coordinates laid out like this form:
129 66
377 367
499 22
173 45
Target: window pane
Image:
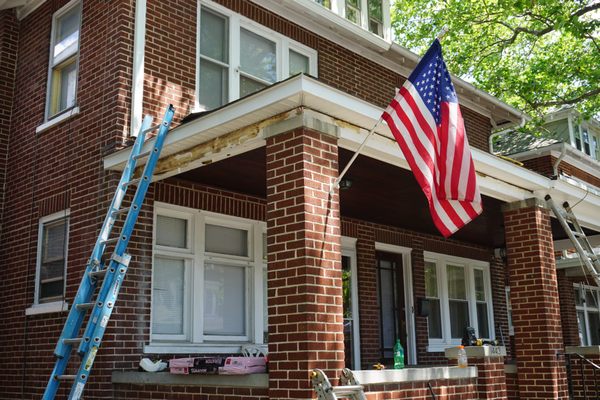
582 328
434 320
479 285
386 287
352 14
347 286
67 32
590 298
324 3
482 320
459 318
249 86
578 296
431 289
53 242
171 232
456 282
213 36
52 270
298 63
258 56
213 85
68 86
375 11
594 319
224 240
224 300
167 296
51 290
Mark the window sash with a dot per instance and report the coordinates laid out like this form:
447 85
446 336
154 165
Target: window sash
588 314
60 221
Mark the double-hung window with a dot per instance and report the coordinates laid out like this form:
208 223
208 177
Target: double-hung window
64 56
238 57
209 280
51 258
588 314
459 295
368 14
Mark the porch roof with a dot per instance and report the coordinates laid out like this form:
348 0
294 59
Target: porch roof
242 126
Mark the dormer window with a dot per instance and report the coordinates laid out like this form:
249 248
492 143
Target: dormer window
369 14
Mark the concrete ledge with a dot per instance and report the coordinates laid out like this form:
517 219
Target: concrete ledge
413 375
165 378
477 351
527 203
583 350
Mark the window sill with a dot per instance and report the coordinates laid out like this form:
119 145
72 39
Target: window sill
412 374
47 308
165 378
195 348
57 120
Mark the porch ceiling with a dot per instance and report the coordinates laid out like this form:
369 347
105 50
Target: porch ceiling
380 193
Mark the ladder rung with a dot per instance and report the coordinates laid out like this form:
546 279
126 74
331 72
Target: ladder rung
111 240
72 341
97 274
121 211
132 182
85 306
65 377
152 128
345 390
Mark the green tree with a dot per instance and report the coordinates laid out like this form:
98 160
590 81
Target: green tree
536 55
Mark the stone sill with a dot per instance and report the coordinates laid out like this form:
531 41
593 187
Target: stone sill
583 350
165 378
401 376
478 351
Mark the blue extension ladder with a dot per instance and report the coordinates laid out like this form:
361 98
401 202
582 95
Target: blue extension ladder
96 269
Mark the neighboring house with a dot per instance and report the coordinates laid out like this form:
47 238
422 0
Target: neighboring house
239 241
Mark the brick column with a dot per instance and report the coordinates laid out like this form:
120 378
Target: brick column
304 265
535 301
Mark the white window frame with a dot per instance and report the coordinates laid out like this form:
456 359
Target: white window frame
442 261
511 327
195 256
349 250
585 309
57 304
71 52
339 7
236 22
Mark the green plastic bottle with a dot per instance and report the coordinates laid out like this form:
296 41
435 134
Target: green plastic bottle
398 355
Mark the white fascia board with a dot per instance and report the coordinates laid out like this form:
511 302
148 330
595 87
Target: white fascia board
498 178
566 244
29 7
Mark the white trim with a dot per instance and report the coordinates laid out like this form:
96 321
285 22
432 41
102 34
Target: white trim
57 119
137 75
29 7
409 306
46 308
349 250
41 223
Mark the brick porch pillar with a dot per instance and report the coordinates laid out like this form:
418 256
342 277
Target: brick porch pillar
535 301
304 265
489 360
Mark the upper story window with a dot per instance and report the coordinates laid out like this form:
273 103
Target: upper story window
64 56
208 279
588 314
368 14
51 258
459 294
238 57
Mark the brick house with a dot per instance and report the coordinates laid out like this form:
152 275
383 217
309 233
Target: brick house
239 241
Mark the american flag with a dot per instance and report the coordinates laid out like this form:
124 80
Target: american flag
426 121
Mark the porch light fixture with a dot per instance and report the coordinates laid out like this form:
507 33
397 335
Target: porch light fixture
346 184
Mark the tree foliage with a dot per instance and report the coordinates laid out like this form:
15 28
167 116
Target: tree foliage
536 55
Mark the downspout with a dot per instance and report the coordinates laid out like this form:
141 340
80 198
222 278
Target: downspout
563 151
137 77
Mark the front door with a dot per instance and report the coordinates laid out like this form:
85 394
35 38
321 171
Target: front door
391 304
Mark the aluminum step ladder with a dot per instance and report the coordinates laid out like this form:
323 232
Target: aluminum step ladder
111 271
350 389
569 222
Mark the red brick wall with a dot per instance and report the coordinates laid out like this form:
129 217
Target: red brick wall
444 389
544 165
304 262
535 302
568 312
170 70
9 36
123 391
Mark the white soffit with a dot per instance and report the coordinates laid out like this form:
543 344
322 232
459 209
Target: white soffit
24 7
497 178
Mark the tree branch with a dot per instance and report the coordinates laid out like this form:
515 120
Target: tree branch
573 100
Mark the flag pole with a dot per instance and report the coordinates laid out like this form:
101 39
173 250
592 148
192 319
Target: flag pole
336 184
442 33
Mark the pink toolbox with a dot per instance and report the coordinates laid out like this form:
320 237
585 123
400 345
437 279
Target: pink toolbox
244 365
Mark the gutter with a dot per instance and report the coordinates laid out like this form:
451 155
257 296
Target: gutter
563 152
